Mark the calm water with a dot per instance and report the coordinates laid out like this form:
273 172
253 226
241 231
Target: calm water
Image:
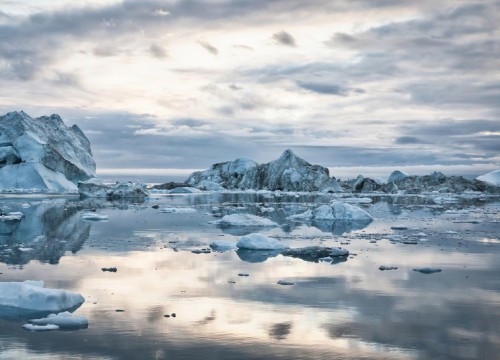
345 310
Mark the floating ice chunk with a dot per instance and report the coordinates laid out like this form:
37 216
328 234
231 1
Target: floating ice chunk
339 251
16 215
492 178
244 220
384 267
358 200
427 270
223 245
259 242
31 295
64 320
285 282
94 217
178 210
49 327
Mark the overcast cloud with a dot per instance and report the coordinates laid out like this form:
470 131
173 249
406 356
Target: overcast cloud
184 84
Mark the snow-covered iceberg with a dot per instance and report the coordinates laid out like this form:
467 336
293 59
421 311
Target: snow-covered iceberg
42 154
492 178
259 242
288 173
31 297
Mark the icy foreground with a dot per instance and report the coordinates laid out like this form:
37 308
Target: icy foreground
288 173
31 295
42 154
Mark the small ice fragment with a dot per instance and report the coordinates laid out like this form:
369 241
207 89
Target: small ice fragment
285 282
94 217
399 227
110 269
427 270
243 274
383 267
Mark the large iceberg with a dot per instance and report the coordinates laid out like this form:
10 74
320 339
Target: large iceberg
42 154
288 173
31 296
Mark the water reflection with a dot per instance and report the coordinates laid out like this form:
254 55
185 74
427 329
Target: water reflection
45 233
348 311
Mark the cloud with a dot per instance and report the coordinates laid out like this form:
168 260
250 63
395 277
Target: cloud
210 48
328 89
404 140
284 38
157 51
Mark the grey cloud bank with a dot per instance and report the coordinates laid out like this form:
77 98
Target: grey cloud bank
158 84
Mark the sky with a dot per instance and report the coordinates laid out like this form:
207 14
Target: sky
165 87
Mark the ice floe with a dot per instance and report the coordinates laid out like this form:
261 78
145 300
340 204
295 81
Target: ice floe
91 216
31 295
244 220
63 320
259 242
12 216
48 327
184 210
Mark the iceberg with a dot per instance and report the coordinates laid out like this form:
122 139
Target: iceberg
42 154
492 178
94 188
335 211
32 296
288 173
397 176
223 245
259 242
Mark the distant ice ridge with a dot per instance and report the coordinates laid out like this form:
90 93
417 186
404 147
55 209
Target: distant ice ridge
42 154
121 190
492 178
31 295
288 173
